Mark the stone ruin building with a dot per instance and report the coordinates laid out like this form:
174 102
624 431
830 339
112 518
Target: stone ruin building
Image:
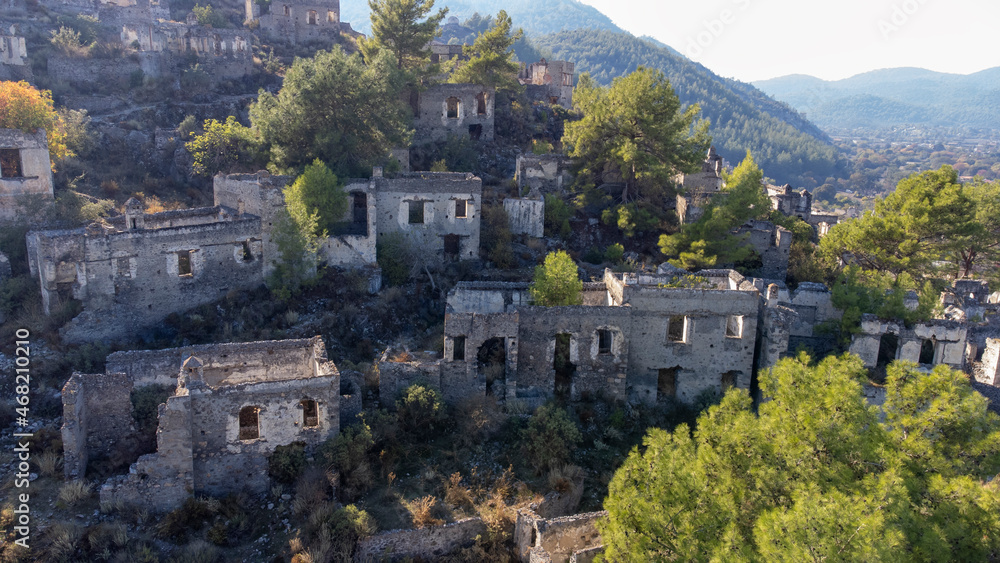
548 81
228 407
438 213
441 52
25 170
461 110
166 45
13 55
132 270
799 204
540 174
299 21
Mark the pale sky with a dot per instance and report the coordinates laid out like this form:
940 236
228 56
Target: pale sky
759 39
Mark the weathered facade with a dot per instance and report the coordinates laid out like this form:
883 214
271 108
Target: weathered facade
540 174
25 170
772 243
223 53
699 188
231 405
563 539
13 55
549 81
931 343
298 21
134 269
438 213
651 337
461 110
526 216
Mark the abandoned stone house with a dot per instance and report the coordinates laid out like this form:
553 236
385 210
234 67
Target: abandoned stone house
438 213
930 343
441 52
13 55
25 170
298 21
228 407
224 53
772 243
548 81
132 270
637 337
799 204
461 110
541 174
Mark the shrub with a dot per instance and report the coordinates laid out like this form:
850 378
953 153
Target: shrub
145 403
557 215
395 258
550 438
496 237
557 281
420 409
614 253
191 516
349 454
286 463
73 492
422 512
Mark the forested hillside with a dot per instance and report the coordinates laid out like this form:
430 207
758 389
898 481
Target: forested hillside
787 146
534 17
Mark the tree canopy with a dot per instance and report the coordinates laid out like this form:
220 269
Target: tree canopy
24 107
816 474
335 108
398 29
927 218
225 147
491 58
636 128
317 191
557 281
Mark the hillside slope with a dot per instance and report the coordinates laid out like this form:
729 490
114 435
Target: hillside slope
787 146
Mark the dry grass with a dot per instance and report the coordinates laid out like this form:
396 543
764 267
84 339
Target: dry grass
49 463
563 479
422 512
456 494
73 492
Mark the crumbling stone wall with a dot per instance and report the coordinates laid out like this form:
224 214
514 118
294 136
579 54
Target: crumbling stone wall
989 368
947 339
438 213
97 415
815 320
26 171
526 216
557 539
223 53
297 21
790 202
13 55
396 376
423 544
201 447
462 110
772 243
129 275
540 174
549 81
353 243
621 347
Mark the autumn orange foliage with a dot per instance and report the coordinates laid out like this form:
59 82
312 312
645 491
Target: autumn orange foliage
24 107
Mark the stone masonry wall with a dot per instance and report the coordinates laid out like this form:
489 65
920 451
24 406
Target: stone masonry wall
35 177
474 112
526 216
424 544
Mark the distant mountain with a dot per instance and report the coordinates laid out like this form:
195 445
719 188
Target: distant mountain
787 146
536 18
894 97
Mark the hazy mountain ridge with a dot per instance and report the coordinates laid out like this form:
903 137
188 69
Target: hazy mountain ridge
784 143
892 97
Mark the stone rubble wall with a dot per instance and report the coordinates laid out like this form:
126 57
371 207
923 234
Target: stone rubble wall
427 543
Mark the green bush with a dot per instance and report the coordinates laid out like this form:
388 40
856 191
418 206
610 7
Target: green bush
421 410
350 454
286 463
557 214
614 253
145 402
395 258
550 438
